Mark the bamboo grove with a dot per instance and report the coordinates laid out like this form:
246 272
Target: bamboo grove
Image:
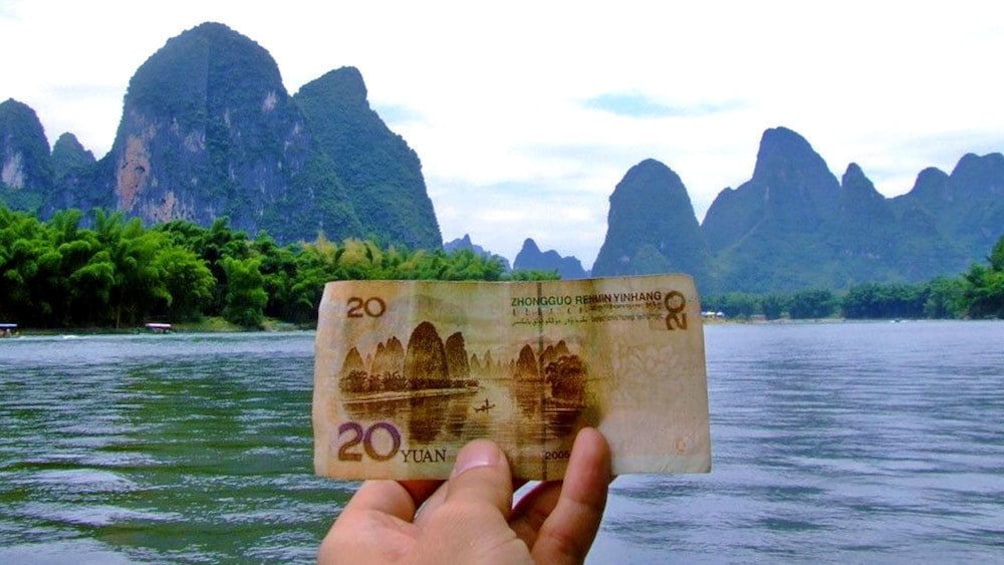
117 273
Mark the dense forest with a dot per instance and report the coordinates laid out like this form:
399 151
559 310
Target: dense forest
118 273
977 293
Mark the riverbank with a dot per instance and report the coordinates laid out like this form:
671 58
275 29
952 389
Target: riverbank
780 321
812 321
213 324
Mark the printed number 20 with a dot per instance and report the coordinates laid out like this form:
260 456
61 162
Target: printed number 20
373 307
357 435
675 304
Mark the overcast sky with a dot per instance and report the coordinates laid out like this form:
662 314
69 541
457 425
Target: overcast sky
526 115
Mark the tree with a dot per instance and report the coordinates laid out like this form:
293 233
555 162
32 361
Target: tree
984 289
90 288
945 298
138 283
774 305
813 303
530 275
279 269
895 300
733 304
996 258
188 281
31 282
212 245
245 297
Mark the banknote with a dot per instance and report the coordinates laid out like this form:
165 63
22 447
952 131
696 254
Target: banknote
407 372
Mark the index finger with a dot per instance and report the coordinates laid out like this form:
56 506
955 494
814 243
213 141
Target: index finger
566 535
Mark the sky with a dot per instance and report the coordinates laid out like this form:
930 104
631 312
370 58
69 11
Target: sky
526 115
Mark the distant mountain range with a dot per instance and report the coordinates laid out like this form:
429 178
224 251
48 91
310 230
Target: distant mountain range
465 243
531 258
793 225
208 130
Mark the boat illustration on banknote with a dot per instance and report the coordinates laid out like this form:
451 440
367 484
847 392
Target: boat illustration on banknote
484 407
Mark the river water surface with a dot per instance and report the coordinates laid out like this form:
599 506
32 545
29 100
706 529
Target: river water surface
856 442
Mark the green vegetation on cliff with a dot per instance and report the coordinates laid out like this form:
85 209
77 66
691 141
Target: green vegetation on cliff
382 173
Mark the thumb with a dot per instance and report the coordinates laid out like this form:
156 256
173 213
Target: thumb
471 523
481 475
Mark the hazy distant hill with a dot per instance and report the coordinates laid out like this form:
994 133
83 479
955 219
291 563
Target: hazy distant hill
74 171
651 227
963 211
772 233
793 225
465 243
531 258
208 130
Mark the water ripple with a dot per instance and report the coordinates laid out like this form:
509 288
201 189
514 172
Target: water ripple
832 443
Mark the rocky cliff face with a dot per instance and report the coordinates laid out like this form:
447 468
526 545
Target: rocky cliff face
26 177
208 130
651 227
382 173
530 257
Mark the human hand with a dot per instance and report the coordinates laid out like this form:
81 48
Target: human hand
470 518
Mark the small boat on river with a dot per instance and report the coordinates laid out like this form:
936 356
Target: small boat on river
8 330
484 407
159 328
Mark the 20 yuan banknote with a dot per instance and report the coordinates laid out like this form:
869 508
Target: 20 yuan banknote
407 372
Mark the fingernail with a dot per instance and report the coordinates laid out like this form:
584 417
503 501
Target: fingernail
478 453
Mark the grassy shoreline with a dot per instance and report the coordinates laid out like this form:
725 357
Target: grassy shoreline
219 325
206 325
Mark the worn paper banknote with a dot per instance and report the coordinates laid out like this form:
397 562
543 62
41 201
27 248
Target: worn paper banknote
407 372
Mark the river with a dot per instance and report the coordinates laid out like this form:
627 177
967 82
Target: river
860 442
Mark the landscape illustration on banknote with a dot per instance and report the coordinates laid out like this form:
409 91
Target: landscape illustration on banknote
445 393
